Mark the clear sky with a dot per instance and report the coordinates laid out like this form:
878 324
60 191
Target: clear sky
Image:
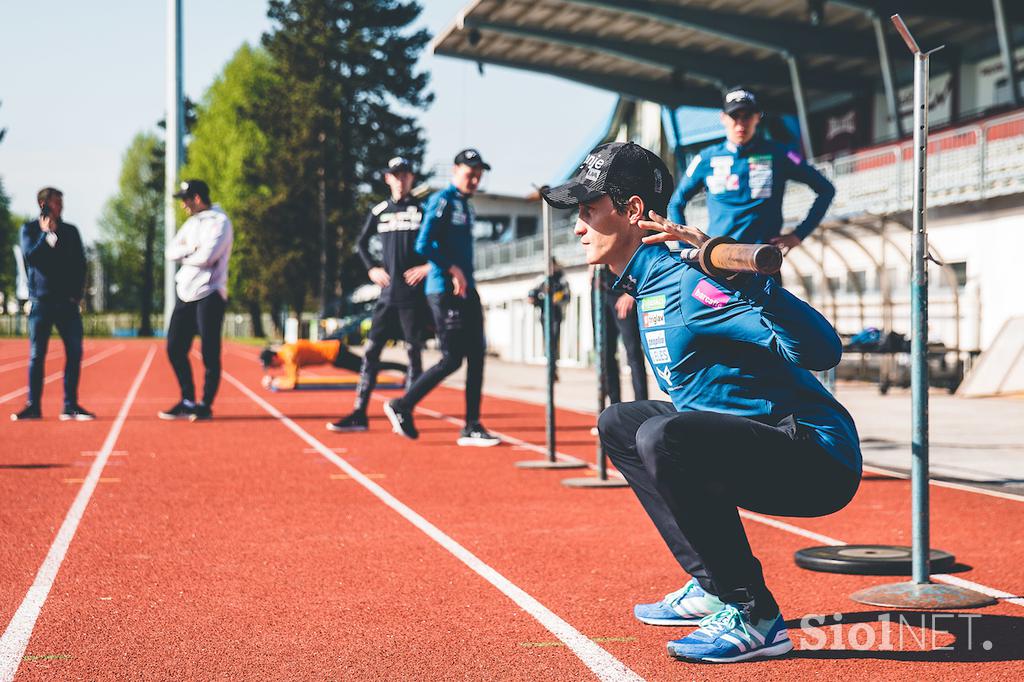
79 79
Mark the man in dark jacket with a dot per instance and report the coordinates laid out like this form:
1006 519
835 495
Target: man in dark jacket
55 263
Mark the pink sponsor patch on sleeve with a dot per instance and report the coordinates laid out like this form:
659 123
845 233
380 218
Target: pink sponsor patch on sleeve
710 295
794 157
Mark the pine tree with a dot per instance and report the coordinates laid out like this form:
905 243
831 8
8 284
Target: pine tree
348 69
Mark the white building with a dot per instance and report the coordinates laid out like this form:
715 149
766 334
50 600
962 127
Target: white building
841 76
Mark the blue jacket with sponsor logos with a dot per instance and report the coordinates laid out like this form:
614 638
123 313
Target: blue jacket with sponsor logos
446 238
745 187
743 350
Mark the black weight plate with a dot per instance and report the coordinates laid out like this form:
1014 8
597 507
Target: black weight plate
868 559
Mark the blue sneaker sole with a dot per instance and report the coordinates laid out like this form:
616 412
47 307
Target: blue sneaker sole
764 652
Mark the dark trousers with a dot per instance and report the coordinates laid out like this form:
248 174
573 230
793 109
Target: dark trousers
691 470
382 328
460 331
629 331
206 318
556 331
44 315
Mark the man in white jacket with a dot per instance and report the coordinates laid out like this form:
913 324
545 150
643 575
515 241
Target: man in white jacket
202 247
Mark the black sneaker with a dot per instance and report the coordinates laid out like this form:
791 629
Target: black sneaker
354 422
476 436
30 411
201 413
179 411
401 420
76 413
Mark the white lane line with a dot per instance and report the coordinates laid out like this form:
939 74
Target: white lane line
788 527
826 540
24 362
57 375
603 664
19 630
947 484
505 437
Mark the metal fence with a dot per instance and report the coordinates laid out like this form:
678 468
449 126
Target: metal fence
971 163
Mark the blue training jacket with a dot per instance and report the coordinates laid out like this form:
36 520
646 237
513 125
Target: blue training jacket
744 351
446 238
745 187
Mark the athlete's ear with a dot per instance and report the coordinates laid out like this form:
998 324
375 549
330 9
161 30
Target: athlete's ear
635 210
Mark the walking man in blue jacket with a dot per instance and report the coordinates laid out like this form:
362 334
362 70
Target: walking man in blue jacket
748 426
745 179
445 239
55 263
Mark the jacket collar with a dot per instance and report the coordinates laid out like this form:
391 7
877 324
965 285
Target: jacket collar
648 261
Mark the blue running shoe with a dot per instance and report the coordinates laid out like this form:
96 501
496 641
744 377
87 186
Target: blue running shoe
686 606
729 636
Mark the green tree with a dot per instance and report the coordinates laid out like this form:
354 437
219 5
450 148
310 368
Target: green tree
229 150
132 228
347 67
10 227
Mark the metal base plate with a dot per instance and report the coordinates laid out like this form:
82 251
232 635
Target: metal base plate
545 464
868 559
594 482
922 596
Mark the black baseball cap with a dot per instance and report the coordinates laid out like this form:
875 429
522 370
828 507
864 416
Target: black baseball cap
625 167
397 165
190 188
471 157
739 98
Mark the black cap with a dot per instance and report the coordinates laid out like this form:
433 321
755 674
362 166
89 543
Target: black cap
738 99
625 167
190 188
397 165
471 157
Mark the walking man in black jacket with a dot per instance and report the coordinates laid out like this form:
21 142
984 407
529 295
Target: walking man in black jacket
55 263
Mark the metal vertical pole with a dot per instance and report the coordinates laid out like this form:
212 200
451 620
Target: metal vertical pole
919 326
1006 50
552 461
601 480
549 348
173 144
887 80
801 106
920 592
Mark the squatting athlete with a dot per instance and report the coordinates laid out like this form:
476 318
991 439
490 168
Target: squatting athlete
400 276
446 240
745 179
748 426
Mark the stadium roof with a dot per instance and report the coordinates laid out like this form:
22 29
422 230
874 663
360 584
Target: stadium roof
685 52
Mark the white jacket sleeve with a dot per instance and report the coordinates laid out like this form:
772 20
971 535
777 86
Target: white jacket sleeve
214 244
179 246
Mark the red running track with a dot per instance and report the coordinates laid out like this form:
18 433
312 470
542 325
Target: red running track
237 549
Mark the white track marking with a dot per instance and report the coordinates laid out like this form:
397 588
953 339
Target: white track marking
24 362
16 637
788 527
601 663
826 540
57 375
947 484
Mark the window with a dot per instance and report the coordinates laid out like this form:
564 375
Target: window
833 284
526 226
960 270
808 282
856 282
490 228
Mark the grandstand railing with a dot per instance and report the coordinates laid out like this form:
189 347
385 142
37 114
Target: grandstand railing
970 163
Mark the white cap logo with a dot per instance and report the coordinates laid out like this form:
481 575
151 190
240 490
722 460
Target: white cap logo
738 95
